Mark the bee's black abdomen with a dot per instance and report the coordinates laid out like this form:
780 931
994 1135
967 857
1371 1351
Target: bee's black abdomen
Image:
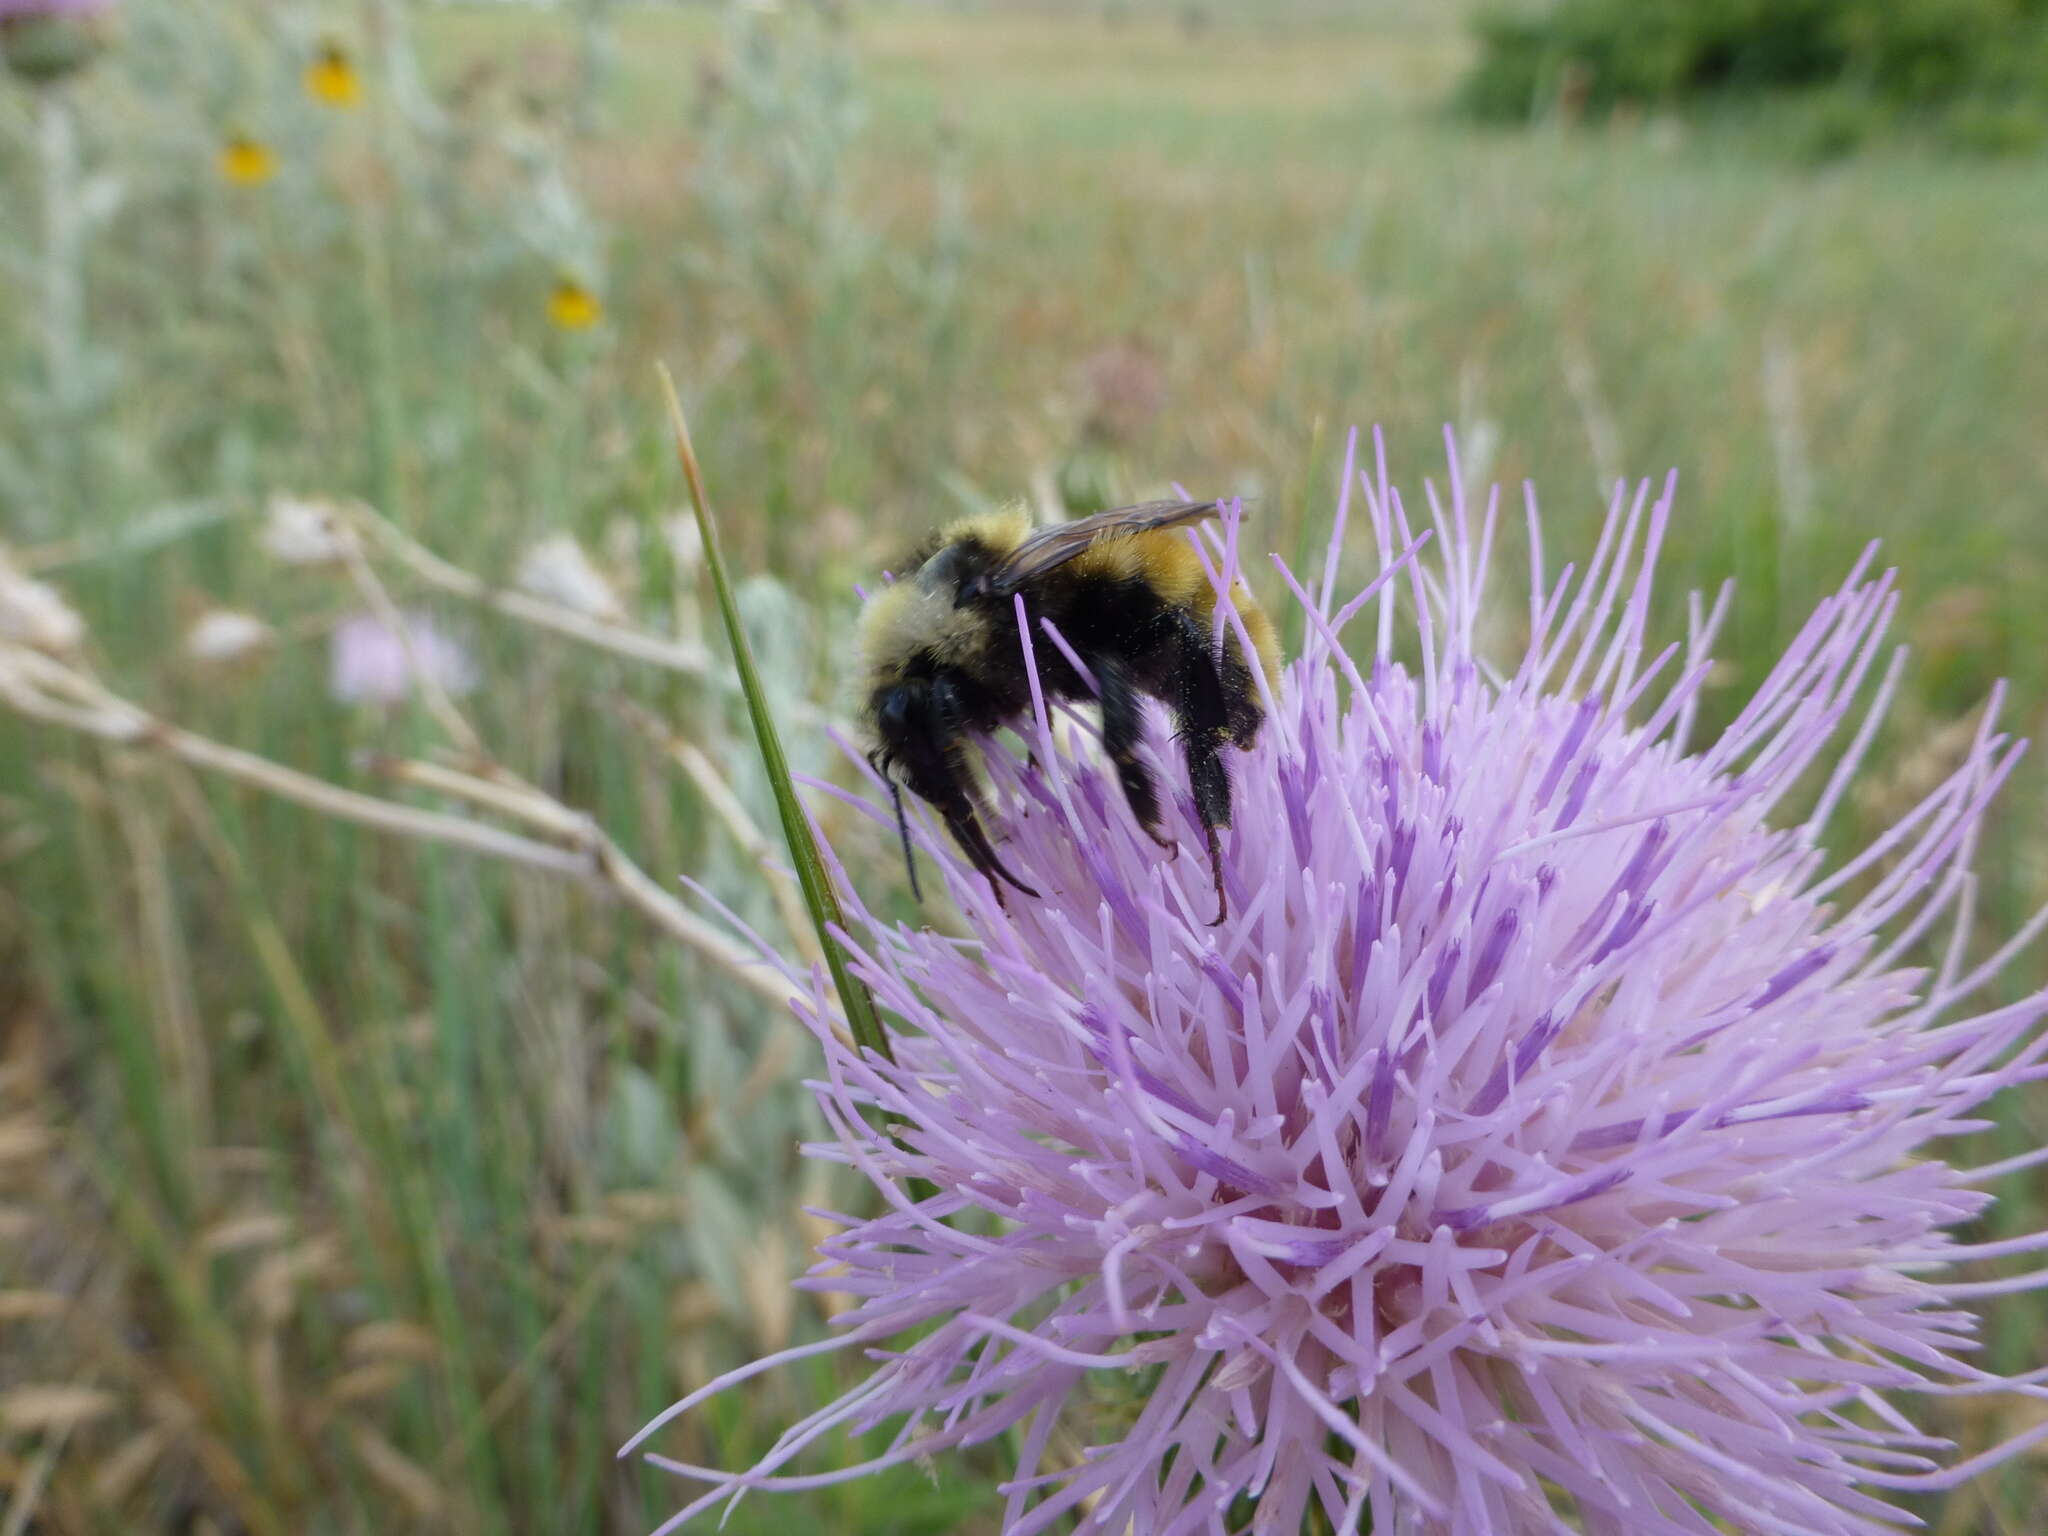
961 671
1135 644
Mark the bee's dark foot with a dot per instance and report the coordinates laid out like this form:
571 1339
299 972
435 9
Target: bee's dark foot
1216 869
1161 840
996 884
998 877
973 840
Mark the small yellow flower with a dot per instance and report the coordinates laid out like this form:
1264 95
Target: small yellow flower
331 78
246 162
573 307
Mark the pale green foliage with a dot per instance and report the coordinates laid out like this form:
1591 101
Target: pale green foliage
300 1082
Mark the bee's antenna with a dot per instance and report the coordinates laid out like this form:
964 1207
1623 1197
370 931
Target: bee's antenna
903 832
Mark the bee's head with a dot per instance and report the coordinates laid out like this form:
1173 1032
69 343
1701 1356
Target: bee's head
902 715
918 629
958 571
918 724
909 728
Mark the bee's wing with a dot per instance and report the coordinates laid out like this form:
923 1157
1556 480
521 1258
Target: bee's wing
1055 546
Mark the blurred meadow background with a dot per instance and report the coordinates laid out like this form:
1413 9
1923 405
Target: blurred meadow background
352 1181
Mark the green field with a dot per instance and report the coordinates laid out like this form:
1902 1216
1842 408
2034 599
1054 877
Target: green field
349 1184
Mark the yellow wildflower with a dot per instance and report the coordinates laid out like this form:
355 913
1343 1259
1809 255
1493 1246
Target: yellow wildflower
246 162
573 307
331 78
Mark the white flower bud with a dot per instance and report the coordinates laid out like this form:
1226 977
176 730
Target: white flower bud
222 635
305 530
558 570
685 545
34 613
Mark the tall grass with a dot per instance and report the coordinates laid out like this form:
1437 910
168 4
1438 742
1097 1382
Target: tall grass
350 1184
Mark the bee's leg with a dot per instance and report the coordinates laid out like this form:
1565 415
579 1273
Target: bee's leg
1210 780
1246 714
939 775
1123 721
957 803
973 840
1202 706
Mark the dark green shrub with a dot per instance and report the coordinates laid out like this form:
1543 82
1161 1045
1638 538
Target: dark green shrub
1998 127
1837 123
1921 56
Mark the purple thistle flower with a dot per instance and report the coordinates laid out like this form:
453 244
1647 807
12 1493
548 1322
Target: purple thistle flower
52 7
369 662
1547 1142
44 40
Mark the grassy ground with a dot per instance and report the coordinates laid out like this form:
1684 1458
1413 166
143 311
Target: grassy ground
366 1187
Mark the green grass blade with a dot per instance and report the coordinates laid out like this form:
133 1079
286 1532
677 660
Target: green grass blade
819 896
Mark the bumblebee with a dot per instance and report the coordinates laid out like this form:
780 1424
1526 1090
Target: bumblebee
1127 593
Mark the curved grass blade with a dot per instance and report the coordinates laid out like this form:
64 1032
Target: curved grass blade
819 896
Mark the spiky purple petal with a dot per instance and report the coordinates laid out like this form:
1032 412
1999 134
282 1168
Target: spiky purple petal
1544 1144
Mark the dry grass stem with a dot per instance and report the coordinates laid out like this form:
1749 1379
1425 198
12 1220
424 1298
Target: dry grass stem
48 690
623 640
739 824
59 694
146 531
492 788
608 862
596 1286
174 1010
426 678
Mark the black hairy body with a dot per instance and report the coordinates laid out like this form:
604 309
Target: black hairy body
1127 594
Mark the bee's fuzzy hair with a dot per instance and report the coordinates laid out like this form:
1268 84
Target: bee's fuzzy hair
904 618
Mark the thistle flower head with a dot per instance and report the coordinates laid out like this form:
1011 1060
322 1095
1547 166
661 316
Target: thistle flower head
13 10
306 530
1549 1140
222 636
558 568
685 541
1123 389
370 662
44 40
34 613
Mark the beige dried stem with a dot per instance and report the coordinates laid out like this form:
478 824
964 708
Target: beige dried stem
620 639
63 694
480 778
427 679
489 783
739 825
